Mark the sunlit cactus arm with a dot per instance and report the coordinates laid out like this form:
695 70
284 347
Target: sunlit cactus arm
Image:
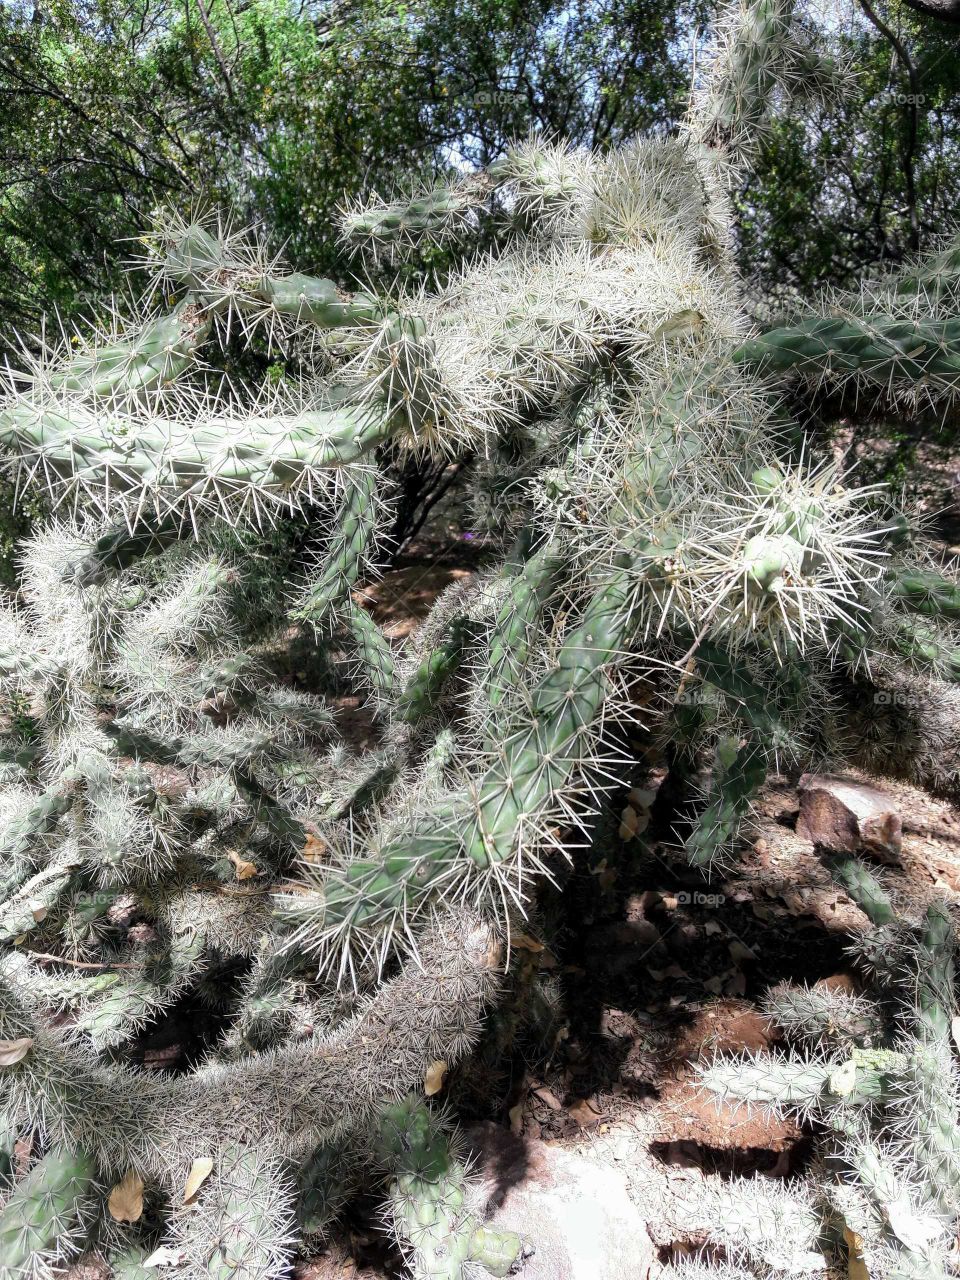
512 633
932 278
822 1015
424 686
828 1088
933 957
148 464
432 1207
287 1100
125 365
924 1108
347 554
864 888
906 1246
26 828
548 183
883 354
494 830
429 215
377 666
241 1226
234 272
287 712
536 760
209 749
25 909
778 1084
763 51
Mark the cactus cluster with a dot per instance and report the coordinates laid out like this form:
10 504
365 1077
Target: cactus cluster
877 1071
177 823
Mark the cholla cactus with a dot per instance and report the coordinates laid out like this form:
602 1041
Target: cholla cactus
883 1080
667 544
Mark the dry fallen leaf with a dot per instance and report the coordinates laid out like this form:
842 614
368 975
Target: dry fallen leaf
314 849
433 1080
200 1170
12 1051
39 911
524 942
516 1118
856 1267
549 1097
244 870
126 1198
164 1257
740 951
586 1112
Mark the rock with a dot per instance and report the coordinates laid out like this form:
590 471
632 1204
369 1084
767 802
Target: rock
849 817
575 1213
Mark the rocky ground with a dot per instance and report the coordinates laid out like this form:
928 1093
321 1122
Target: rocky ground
608 1156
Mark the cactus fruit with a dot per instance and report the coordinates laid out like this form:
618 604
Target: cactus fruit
670 567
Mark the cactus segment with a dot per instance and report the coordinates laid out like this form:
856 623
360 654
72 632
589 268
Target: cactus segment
435 214
373 650
120 547
512 633
430 1207
880 351
928 593
228 272
739 772
44 1213
343 562
116 371
180 830
241 1227
419 695
162 466
864 888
